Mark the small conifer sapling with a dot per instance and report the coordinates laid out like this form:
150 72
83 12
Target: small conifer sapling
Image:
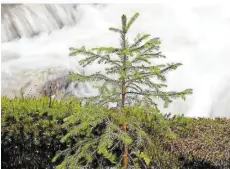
130 72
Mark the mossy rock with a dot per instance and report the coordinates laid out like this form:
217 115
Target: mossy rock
203 142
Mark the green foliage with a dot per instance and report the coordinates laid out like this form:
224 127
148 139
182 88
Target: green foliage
130 72
31 131
100 138
31 134
203 141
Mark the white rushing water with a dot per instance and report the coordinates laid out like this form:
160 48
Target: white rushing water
197 36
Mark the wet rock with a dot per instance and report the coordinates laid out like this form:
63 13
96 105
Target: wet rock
58 86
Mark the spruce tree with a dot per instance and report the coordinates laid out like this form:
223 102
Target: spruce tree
130 72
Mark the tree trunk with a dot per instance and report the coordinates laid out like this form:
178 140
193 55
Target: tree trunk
125 153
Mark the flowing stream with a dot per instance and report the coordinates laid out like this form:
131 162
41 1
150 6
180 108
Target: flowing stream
35 40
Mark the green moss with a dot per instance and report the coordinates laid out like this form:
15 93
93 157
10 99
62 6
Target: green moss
205 140
31 131
32 134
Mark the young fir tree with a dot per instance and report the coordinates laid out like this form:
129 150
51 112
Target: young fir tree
130 72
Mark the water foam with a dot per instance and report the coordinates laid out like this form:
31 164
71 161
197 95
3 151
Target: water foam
197 36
